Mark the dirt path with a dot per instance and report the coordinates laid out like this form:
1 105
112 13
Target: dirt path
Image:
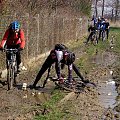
23 105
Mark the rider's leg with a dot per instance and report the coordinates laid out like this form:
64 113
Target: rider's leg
47 64
18 58
99 34
89 37
107 32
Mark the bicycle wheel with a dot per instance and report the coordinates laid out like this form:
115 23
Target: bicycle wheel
95 40
10 77
76 86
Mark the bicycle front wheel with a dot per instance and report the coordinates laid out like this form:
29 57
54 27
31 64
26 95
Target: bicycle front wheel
10 77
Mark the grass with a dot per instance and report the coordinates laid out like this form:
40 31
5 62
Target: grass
51 105
115 31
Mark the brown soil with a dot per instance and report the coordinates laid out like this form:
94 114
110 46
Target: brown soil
18 104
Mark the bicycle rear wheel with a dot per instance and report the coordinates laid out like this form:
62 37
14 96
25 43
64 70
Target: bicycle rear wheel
10 77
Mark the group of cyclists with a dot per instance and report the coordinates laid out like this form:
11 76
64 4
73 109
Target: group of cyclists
60 55
98 28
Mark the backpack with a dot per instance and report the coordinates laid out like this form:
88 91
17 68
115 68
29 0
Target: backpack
60 47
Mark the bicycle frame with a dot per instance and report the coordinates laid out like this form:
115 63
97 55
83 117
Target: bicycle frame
11 67
94 37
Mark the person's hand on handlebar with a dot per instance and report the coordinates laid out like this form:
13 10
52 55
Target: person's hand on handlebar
1 49
20 49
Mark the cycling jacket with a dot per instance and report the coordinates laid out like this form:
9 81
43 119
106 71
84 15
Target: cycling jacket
11 38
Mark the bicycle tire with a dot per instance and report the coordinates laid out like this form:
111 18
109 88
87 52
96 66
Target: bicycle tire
10 77
70 89
77 87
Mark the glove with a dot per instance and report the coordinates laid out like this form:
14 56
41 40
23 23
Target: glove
1 49
20 49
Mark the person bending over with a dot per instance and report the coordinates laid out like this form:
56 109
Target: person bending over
61 56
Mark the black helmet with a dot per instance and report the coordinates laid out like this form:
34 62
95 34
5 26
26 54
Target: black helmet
60 47
70 58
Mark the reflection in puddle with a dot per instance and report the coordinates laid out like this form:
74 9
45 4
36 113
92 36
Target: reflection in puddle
41 97
108 94
37 96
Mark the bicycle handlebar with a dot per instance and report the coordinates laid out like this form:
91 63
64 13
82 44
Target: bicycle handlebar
11 50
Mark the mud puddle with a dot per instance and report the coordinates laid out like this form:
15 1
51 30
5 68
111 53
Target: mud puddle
108 93
41 95
107 88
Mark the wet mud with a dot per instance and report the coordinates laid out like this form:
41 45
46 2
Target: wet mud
93 104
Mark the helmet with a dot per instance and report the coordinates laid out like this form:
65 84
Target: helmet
60 47
15 25
99 18
70 58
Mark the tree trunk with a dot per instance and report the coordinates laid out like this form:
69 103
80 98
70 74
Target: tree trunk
103 8
112 15
116 9
96 13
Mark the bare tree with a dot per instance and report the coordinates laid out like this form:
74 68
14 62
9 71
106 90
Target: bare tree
103 4
96 13
116 9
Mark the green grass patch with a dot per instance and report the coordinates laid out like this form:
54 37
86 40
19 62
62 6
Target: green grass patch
51 105
115 31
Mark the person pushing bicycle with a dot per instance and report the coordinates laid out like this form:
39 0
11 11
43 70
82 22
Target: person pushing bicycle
14 38
92 31
61 56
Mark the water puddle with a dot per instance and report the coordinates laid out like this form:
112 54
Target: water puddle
108 94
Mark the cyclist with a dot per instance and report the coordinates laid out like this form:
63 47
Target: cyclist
14 38
94 19
107 27
92 31
103 28
59 55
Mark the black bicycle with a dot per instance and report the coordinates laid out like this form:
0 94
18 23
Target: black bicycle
11 67
94 37
77 85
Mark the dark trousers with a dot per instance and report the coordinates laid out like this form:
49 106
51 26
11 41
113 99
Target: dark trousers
18 55
107 33
47 64
90 36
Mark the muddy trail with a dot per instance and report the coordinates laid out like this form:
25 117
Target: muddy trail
92 104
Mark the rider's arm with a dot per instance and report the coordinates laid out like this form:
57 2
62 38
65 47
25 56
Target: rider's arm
22 38
77 72
70 67
5 37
